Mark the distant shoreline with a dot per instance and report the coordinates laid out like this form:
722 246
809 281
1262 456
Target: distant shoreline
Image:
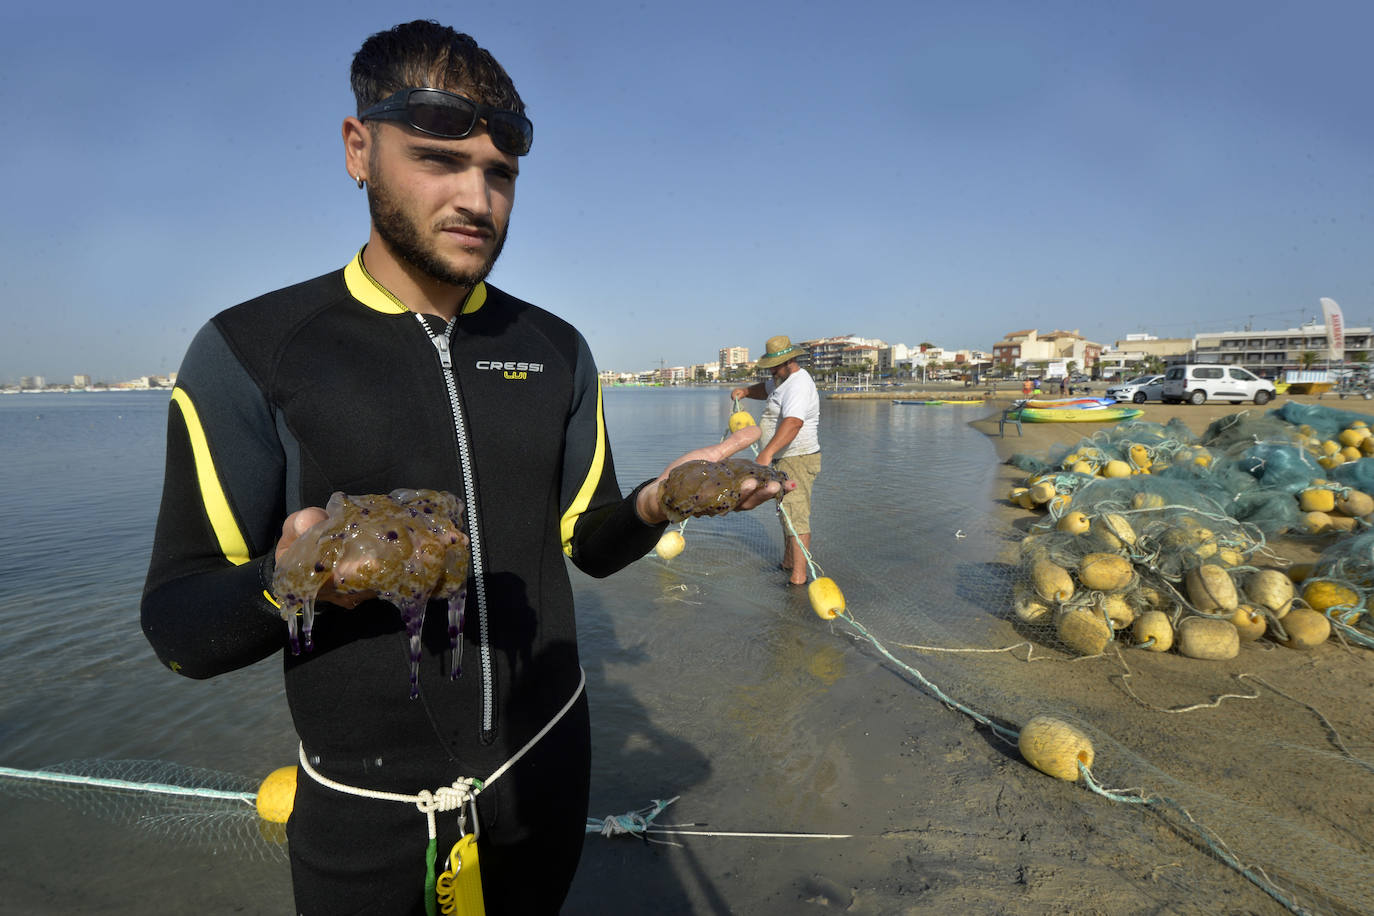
77 390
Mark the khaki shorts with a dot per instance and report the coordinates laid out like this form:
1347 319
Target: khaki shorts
803 469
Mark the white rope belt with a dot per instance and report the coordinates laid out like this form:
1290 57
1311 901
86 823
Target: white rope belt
463 790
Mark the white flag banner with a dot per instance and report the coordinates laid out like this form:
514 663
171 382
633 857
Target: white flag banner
1335 329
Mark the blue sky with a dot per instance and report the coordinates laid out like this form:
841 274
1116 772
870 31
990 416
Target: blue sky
709 174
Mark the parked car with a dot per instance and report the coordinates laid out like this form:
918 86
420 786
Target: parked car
1198 383
1139 390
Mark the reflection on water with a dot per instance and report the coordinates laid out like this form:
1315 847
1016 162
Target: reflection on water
707 677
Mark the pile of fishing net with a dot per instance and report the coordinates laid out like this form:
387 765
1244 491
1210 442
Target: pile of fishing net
1156 538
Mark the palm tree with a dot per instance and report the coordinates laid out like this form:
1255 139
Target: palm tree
1308 358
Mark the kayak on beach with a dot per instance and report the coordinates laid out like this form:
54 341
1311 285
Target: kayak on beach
1085 414
1067 403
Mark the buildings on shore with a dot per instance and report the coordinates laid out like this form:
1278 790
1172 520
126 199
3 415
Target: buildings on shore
1032 351
82 382
845 354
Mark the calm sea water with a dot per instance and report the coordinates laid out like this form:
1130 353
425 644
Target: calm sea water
696 668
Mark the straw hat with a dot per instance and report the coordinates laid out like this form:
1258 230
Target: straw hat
777 351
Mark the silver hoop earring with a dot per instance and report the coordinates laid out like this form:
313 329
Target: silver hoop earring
361 181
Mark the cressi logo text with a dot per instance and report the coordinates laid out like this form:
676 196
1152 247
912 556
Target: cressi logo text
510 369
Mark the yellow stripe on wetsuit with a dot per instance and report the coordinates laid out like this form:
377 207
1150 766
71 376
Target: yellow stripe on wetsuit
584 494
231 541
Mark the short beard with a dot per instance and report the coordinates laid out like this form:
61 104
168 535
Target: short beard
406 239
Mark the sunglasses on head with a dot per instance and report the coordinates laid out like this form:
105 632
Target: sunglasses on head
446 114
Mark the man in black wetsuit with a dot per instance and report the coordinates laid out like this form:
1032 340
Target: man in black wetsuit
405 369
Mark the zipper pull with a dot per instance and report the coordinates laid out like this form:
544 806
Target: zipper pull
441 344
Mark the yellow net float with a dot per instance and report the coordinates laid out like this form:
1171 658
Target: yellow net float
1147 501
1154 625
1317 499
1353 436
1210 588
1116 468
1355 503
670 544
1323 593
1054 747
826 598
1105 572
1306 629
1083 631
1051 581
1208 638
741 419
277 795
1249 623
1272 589
1073 522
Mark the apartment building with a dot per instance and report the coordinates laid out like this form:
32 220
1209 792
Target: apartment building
1269 353
1030 346
833 352
732 357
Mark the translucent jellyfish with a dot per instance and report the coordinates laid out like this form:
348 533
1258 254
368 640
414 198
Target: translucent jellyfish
697 488
408 547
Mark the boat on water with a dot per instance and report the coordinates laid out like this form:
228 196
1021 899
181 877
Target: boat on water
938 403
1099 414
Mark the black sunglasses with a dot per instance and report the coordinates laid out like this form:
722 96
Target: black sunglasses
452 116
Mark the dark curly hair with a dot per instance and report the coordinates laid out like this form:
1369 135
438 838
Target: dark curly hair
425 54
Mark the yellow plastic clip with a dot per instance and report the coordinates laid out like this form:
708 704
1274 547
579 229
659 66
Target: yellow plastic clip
459 888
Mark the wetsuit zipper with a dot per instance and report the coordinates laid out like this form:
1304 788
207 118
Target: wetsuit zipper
441 343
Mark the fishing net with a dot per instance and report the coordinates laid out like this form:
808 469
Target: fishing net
194 806
1168 564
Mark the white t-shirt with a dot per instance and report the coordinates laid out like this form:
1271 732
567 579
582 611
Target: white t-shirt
795 397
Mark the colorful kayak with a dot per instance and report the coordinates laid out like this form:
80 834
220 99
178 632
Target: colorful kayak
1067 403
1102 414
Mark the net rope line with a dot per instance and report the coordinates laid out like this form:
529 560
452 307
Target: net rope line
1254 874
152 788
640 823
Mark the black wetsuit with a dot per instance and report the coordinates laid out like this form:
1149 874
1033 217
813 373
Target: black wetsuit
332 385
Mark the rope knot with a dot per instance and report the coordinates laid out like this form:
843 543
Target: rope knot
447 798
616 825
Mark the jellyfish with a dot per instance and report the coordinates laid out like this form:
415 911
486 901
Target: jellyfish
708 488
408 547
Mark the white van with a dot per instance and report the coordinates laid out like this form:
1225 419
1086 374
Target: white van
1198 383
